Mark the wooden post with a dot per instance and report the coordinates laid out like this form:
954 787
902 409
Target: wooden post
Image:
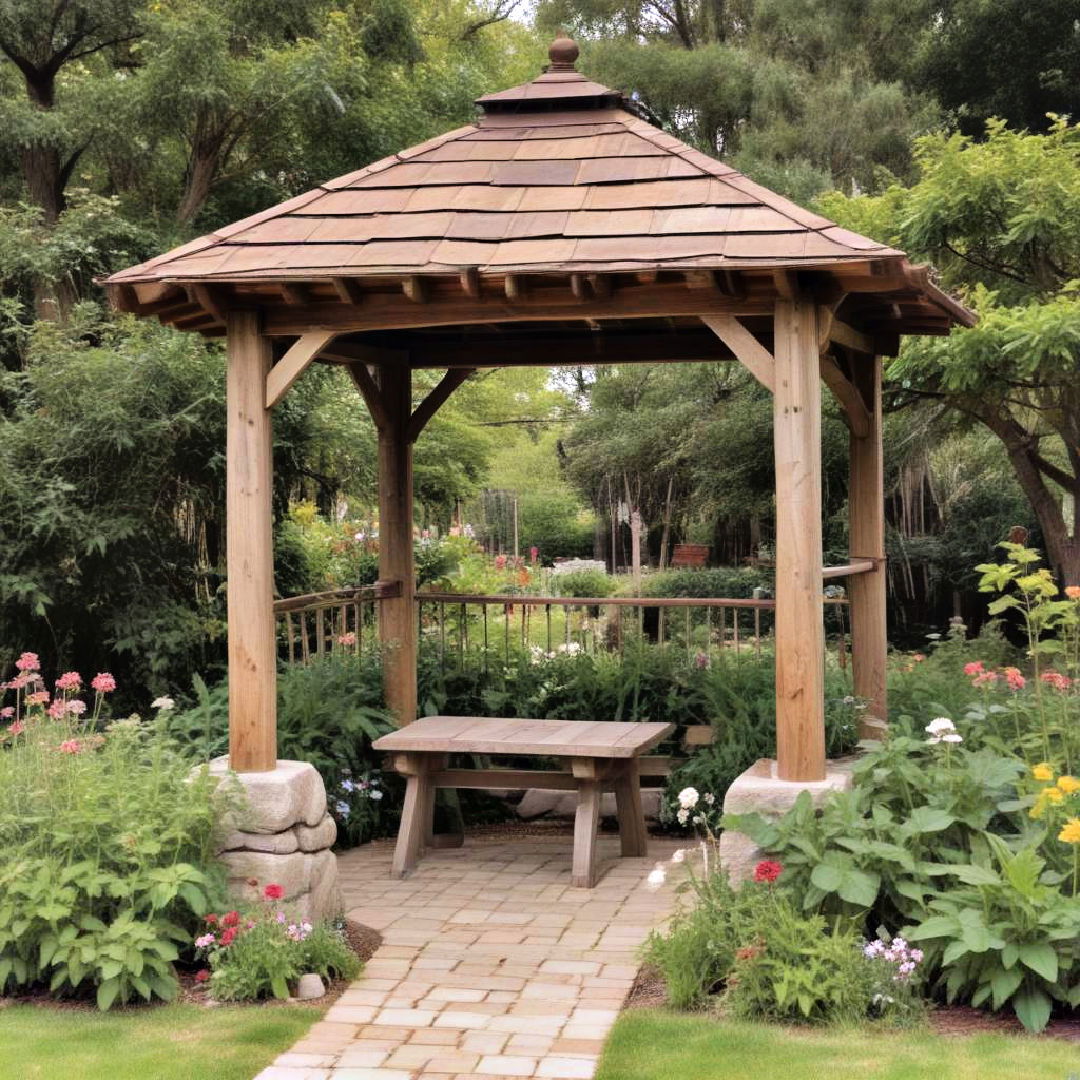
800 633
249 543
866 531
397 617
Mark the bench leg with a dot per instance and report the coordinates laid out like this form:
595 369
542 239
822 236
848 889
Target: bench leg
415 815
586 823
633 835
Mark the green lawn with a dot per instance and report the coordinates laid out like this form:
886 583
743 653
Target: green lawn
168 1042
652 1045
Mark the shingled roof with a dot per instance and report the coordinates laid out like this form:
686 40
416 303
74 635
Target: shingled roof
559 175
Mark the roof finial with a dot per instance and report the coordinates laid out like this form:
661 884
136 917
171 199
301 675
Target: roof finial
563 53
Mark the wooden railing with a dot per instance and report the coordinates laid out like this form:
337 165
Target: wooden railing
318 623
552 624
457 624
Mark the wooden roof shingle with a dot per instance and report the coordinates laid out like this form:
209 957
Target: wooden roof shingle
557 175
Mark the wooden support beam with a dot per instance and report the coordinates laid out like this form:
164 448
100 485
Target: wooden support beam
249 549
579 286
372 395
348 290
540 305
415 288
747 349
513 287
849 569
845 391
786 284
850 338
602 285
866 532
435 399
210 299
294 294
799 630
397 617
470 282
293 364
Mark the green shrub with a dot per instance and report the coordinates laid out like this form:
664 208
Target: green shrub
736 582
587 583
753 952
106 852
261 951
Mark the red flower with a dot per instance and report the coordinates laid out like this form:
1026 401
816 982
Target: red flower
202 976
228 936
211 919
273 892
767 871
232 918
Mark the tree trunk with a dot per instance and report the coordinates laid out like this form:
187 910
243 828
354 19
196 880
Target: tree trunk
665 535
201 173
1062 550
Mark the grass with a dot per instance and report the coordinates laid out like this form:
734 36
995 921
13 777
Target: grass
167 1042
655 1045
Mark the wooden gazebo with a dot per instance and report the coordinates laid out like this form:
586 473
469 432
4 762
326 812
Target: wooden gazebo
559 227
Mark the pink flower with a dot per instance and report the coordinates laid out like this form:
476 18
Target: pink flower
7 712
103 683
58 709
918 657
500 562
1015 680
28 662
19 682
70 680
202 976
17 728
347 639
39 697
76 706
984 678
975 667
70 746
1056 680
205 941
534 553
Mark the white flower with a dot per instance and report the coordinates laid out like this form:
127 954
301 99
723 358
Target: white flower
375 795
709 798
953 737
940 725
683 816
656 877
688 798
163 703
678 856
571 648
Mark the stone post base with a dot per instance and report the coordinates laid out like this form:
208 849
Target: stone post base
283 837
759 790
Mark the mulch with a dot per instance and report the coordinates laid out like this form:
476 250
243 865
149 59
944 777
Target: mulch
951 1021
363 940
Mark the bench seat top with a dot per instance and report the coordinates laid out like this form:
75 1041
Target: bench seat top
555 738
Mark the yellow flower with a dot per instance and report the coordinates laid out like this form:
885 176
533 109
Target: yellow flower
1068 784
1042 771
1070 833
1055 795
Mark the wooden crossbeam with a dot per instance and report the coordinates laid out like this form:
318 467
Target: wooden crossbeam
747 349
847 393
369 391
435 399
294 363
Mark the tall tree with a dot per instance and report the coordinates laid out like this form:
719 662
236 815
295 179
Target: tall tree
1000 219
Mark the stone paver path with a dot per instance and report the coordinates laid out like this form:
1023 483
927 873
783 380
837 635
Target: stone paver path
492 965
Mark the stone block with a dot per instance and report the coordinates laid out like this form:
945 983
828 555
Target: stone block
291 794
291 872
321 836
310 987
538 801
760 790
282 843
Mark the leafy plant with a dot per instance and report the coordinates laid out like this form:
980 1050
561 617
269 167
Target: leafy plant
263 950
106 847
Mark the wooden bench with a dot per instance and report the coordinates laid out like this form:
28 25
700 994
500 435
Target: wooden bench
597 756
